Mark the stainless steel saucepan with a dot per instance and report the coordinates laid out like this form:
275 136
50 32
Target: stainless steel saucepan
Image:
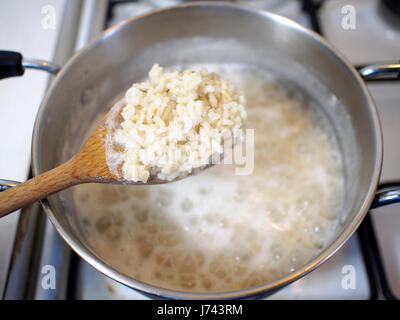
210 32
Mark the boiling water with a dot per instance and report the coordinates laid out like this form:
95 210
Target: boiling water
219 231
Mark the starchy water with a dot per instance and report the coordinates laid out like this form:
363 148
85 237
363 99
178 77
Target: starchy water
219 231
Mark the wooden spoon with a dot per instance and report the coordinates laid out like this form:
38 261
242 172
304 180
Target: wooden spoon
89 165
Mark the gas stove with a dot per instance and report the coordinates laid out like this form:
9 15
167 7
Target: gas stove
30 244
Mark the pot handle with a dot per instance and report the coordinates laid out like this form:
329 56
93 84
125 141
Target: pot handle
6 184
387 193
381 71
13 64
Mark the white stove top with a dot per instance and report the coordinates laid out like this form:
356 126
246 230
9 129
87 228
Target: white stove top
21 98
375 40
363 45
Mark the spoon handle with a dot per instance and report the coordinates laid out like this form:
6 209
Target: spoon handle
38 188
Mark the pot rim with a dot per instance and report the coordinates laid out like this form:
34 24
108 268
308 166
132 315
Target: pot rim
255 291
